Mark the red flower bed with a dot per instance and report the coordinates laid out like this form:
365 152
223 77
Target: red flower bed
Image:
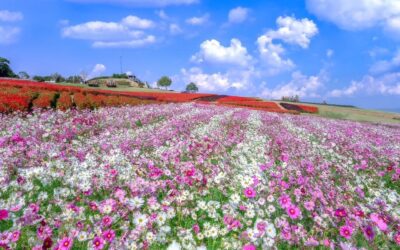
235 99
64 102
13 102
44 100
300 108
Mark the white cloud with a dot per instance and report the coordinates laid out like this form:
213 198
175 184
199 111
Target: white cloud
135 43
97 70
162 14
213 52
272 56
9 35
218 81
137 22
360 14
348 91
10 16
301 85
198 20
384 66
329 53
141 3
387 84
129 32
175 29
294 31
290 30
238 15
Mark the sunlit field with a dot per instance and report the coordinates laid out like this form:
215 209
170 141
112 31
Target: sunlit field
194 176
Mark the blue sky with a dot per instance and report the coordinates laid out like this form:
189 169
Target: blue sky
341 51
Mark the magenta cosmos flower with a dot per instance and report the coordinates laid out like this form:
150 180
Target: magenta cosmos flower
249 247
109 235
250 192
98 243
285 201
340 212
346 231
3 214
396 238
369 232
293 211
65 243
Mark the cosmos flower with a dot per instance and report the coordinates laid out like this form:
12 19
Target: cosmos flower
346 231
249 192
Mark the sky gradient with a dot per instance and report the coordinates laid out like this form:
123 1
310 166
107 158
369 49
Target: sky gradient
340 51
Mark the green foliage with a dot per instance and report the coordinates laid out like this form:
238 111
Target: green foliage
5 69
192 87
164 81
23 75
120 76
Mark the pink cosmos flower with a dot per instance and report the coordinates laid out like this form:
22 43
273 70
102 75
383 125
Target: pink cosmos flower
340 212
285 201
65 243
3 214
98 243
309 205
249 247
293 211
379 221
196 228
109 235
346 231
106 221
15 236
369 233
250 192
396 238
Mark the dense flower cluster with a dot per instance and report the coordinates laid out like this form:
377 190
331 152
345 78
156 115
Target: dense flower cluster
192 176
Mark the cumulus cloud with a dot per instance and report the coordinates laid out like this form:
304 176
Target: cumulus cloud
301 85
198 20
8 34
175 29
329 53
141 3
10 16
97 70
129 32
218 81
387 84
290 30
238 15
361 14
294 31
384 66
136 43
272 56
213 51
137 22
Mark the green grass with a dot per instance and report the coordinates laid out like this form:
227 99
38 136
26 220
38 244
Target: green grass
119 88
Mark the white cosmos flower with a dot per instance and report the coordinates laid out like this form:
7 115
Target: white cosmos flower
140 220
271 231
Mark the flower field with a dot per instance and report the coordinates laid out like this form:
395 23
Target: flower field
195 176
23 95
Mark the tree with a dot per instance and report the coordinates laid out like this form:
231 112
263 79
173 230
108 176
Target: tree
57 77
23 75
164 81
192 87
5 70
84 76
74 79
